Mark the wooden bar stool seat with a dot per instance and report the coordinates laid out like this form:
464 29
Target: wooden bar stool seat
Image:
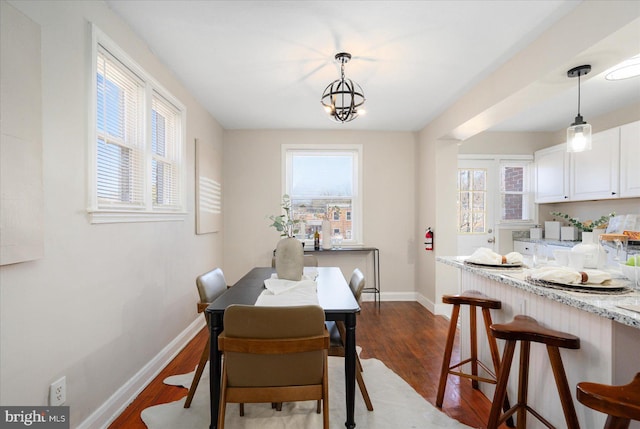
620 403
527 330
473 299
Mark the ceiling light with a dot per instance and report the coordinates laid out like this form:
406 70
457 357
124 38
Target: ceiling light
579 133
343 98
625 70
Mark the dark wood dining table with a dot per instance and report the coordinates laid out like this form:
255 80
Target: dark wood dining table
334 296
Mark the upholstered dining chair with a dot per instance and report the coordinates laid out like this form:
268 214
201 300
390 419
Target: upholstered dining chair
210 286
309 261
274 355
337 333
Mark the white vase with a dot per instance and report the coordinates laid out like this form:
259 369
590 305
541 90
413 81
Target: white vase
594 254
289 259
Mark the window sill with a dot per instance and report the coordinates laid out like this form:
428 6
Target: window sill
97 217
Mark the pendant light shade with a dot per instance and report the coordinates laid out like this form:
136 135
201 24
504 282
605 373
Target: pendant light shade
579 133
343 99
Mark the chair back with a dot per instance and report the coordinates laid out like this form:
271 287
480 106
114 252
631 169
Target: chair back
210 286
259 351
357 284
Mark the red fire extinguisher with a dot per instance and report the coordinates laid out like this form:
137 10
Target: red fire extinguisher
428 239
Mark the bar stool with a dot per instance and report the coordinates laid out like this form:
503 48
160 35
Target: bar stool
473 299
525 329
620 403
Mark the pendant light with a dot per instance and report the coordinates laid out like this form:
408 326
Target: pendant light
579 133
343 98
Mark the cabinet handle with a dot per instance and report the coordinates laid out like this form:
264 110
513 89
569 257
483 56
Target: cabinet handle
613 193
566 197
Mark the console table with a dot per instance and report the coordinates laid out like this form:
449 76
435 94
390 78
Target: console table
375 289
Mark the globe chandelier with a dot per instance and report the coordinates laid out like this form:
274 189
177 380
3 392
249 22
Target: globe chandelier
343 98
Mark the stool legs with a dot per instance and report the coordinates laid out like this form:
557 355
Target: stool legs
501 387
523 384
563 387
446 360
473 360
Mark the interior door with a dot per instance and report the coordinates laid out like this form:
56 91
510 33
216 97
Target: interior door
477 193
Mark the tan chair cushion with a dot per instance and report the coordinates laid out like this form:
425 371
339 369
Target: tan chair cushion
260 370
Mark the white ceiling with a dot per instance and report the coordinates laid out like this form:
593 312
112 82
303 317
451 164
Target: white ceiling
264 64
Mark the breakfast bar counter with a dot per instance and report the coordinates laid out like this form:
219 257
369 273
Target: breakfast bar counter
609 335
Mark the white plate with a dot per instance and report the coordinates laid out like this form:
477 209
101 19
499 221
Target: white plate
610 285
494 265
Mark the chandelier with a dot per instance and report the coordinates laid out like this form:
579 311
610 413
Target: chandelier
343 98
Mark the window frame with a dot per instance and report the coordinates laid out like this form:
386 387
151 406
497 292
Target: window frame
147 211
357 238
498 160
527 192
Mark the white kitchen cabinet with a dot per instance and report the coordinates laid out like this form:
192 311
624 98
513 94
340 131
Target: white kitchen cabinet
523 247
630 160
552 174
595 173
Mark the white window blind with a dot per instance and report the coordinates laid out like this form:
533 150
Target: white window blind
119 135
136 156
165 163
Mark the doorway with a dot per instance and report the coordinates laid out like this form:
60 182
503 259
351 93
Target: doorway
475 205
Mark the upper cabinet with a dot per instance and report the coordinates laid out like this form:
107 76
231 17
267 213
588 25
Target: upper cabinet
611 169
630 160
552 174
595 173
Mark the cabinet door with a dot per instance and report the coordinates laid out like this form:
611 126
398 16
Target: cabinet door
630 160
595 173
552 165
523 247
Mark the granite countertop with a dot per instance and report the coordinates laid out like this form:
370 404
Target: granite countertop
600 304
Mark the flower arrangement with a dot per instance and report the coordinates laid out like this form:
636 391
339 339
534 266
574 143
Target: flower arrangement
287 226
588 225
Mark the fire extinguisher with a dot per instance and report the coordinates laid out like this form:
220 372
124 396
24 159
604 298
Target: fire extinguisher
428 239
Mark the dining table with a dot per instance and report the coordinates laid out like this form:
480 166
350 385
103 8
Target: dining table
333 294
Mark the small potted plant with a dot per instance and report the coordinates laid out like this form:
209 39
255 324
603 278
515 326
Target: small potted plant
289 251
287 226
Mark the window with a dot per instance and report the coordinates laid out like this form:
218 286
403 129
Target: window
137 142
493 190
515 194
472 200
324 184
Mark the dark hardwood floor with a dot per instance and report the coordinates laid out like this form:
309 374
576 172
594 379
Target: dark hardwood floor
404 335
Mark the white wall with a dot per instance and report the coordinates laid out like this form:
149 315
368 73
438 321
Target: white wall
253 190
105 299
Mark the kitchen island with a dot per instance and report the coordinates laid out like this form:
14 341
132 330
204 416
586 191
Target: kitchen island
609 336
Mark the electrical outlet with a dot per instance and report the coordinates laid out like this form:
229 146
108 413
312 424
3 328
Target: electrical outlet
58 392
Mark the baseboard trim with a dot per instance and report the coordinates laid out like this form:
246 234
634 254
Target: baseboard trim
391 296
120 400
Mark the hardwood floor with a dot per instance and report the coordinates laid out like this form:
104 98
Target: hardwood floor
404 335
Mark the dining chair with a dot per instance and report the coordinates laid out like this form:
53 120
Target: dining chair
309 261
274 355
337 334
210 286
